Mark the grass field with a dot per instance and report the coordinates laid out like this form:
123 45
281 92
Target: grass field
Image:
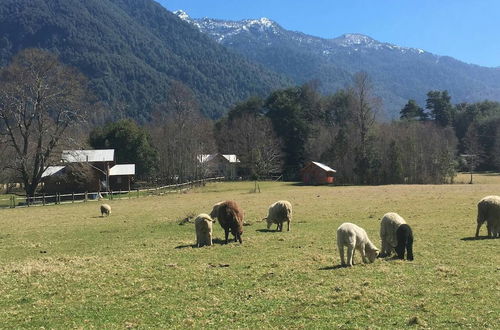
65 266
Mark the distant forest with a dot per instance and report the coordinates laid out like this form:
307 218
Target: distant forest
273 135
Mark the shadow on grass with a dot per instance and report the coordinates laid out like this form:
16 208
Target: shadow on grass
333 267
474 238
267 230
215 241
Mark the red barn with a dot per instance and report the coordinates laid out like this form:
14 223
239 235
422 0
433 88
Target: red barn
317 173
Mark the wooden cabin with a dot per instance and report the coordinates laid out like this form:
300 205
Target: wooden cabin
316 173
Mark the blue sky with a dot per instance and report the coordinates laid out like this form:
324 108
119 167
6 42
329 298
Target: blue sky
468 30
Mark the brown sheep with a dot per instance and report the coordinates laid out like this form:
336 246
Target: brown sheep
230 217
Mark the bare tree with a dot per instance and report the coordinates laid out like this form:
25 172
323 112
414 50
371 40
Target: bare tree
474 151
364 106
180 133
253 139
40 99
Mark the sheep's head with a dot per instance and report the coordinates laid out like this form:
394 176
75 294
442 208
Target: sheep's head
372 254
269 222
214 212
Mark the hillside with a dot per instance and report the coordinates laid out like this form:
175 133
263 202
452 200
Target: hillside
131 50
398 73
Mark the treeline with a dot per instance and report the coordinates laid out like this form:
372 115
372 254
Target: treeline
46 106
280 133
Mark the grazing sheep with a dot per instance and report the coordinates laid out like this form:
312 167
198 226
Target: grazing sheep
203 226
404 236
278 213
388 227
105 209
230 217
352 236
488 210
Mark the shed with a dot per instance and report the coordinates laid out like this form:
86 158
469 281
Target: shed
317 173
220 165
120 176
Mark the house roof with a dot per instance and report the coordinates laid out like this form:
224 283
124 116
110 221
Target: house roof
324 167
231 158
81 156
51 170
122 169
207 158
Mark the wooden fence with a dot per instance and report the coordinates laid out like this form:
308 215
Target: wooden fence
42 200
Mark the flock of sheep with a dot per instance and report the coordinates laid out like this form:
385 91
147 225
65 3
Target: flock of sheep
396 235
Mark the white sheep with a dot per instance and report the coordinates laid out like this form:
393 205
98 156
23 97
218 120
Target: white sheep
278 213
355 237
203 227
388 226
488 210
105 209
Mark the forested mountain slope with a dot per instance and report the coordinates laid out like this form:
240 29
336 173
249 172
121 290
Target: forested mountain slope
398 73
131 50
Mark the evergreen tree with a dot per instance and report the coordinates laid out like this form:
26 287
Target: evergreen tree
292 112
131 142
412 111
440 107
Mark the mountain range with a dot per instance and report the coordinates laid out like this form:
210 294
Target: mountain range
131 51
398 73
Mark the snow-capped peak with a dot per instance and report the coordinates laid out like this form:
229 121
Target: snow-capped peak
182 15
265 22
356 39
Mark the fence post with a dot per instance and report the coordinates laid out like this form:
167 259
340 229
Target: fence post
14 201
73 196
43 199
86 197
138 193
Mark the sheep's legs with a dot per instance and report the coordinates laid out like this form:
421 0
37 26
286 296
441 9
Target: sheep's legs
387 248
288 224
226 233
341 252
409 250
363 255
350 255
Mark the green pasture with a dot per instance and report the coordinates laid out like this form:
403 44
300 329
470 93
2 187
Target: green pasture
65 266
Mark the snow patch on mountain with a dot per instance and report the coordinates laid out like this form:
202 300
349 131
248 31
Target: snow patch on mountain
265 29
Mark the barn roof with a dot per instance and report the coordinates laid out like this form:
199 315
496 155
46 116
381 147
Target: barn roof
51 170
122 169
322 166
80 156
231 158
